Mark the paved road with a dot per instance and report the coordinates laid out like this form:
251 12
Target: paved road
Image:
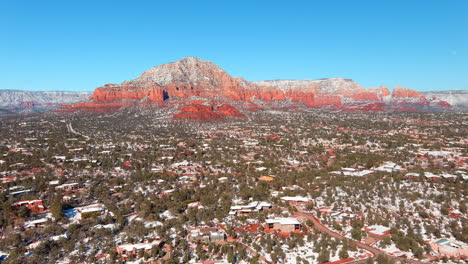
322 228
71 130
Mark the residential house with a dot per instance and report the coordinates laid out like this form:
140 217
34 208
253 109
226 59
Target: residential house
249 208
377 231
126 250
449 248
283 225
34 205
206 234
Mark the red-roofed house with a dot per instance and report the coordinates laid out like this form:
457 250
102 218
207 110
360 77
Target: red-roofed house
34 205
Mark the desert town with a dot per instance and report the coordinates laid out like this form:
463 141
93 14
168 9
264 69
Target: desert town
312 187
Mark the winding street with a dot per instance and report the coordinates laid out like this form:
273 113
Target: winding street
71 130
322 228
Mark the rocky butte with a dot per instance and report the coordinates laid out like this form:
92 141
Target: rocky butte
199 89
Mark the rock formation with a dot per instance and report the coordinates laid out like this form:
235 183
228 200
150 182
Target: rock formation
402 92
191 78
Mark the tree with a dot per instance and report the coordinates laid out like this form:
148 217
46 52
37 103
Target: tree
324 256
444 210
418 252
344 253
387 241
23 212
56 208
230 255
356 233
337 226
382 259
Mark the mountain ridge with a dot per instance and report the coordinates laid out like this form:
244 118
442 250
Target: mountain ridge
457 98
191 79
24 101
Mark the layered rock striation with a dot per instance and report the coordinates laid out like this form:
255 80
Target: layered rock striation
191 78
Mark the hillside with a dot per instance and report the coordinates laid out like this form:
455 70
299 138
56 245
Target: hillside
16 101
457 98
193 88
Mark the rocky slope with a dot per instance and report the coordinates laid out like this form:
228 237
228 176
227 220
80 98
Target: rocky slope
456 98
15 101
200 89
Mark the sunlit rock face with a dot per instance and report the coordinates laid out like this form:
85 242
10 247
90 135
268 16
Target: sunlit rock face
191 78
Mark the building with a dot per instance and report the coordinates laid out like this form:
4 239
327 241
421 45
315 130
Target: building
412 175
249 208
126 250
266 178
41 222
206 234
91 211
353 172
377 231
68 187
296 200
448 248
390 167
431 176
283 225
33 205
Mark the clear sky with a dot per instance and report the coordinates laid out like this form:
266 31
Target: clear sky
81 45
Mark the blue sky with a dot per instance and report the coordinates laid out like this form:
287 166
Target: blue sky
81 45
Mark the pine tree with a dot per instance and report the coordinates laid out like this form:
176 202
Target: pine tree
56 208
324 256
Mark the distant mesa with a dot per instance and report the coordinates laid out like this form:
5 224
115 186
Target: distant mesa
201 90
23 102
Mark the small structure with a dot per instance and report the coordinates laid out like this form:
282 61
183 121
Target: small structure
126 250
206 234
448 248
90 211
68 187
341 216
353 172
390 167
431 176
296 200
377 231
33 205
19 193
448 176
266 178
411 175
249 208
35 223
223 179
283 225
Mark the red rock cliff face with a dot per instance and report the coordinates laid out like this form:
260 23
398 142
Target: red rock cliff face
383 91
229 110
192 77
372 94
399 92
202 112
109 93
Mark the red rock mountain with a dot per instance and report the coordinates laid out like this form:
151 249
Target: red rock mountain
202 90
402 92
